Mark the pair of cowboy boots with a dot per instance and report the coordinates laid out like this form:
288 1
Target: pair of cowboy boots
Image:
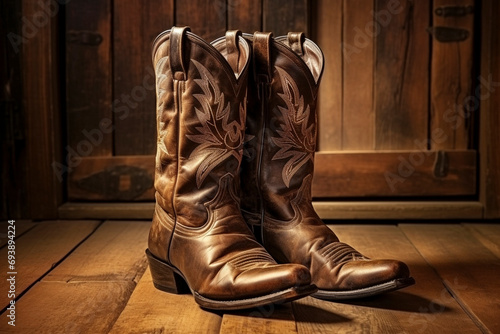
236 126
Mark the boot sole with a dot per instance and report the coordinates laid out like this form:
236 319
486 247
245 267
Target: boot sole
169 279
365 292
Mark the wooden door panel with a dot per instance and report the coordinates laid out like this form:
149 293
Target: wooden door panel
379 131
339 174
401 74
327 32
244 15
207 19
89 78
282 16
116 178
136 23
398 173
451 77
358 118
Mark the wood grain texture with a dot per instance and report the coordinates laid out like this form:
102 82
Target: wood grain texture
40 249
119 178
451 79
490 104
42 122
282 16
325 209
399 173
466 267
114 252
153 311
207 19
423 308
89 78
398 210
58 307
21 227
327 33
269 319
137 210
133 74
358 118
407 173
244 15
486 234
401 86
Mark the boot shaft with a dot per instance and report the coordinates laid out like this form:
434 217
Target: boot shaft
200 120
281 126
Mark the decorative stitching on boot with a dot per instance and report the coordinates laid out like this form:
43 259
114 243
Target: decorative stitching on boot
297 138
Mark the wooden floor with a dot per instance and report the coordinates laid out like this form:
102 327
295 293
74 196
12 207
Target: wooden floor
92 277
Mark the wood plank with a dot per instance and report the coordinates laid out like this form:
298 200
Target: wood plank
58 307
401 88
426 307
377 174
267 319
133 73
466 267
358 118
327 32
486 234
399 210
152 311
114 252
395 173
244 15
139 210
97 279
40 249
21 227
282 16
451 80
121 178
207 19
89 94
325 209
42 117
489 97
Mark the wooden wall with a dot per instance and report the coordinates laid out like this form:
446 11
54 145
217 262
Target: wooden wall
388 84
391 92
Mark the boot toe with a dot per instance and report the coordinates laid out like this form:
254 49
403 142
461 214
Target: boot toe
261 281
361 274
359 279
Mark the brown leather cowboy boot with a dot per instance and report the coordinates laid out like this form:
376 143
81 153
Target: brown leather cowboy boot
198 235
277 171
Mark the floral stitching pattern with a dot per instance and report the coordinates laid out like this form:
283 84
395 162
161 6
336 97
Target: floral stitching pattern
297 138
218 137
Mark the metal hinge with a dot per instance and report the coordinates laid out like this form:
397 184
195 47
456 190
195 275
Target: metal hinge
447 34
84 37
454 10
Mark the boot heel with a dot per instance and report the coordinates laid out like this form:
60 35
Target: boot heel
164 277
